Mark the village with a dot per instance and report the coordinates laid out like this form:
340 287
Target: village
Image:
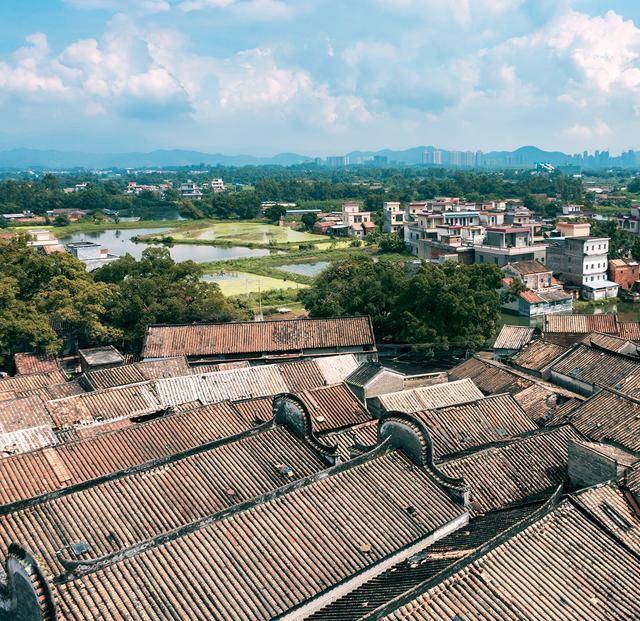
285 458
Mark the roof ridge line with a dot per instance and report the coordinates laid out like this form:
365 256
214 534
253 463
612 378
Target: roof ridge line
81 568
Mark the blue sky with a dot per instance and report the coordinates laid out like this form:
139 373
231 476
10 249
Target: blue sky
319 76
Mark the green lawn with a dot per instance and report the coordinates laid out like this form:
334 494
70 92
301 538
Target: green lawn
233 284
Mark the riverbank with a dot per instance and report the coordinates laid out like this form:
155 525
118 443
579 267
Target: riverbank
94 227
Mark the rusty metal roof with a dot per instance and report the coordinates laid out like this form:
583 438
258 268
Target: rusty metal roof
427 397
513 337
242 338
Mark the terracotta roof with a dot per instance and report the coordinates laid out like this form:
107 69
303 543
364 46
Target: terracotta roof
561 567
490 377
35 363
513 337
608 417
427 397
542 403
262 337
517 472
38 472
630 330
21 383
538 354
531 297
301 374
336 369
459 428
244 555
596 367
581 324
607 341
349 439
137 372
157 500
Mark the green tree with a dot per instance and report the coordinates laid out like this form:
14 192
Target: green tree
275 212
158 290
309 219
437 307
391 242
635 249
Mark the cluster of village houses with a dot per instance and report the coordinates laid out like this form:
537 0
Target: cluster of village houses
282 469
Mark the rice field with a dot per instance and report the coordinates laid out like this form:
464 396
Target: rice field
233 284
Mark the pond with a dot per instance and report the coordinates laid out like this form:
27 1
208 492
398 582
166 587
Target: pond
305 269
119 241
625 311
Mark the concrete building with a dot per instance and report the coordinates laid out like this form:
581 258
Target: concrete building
394 218
582 262
191 190
359 223
91 254
509 244
573 229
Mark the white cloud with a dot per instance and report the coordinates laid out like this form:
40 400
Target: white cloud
145 6
598 129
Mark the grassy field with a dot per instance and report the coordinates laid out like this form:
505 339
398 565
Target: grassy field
87 227
243 233
234 284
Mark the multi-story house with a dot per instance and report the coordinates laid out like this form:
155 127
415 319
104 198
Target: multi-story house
630 223
509 244
91 254
394 218
582 262
543 294
191 190
625 272
359 223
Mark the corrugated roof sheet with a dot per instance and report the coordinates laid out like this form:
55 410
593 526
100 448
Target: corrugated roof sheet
257 337
509 475
581 324
459 428
513 337
244 557
561 567
28 363
427 397
537 355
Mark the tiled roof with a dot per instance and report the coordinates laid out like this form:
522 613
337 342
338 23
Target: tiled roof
137 372
458 428
35 363
541 403
21 383
607 341
401 578
349 439
608 417
537 355
336 369
114 515
427 397
560 567
595 366
490 377
608 504
39 472
581 324
531 297
509 475
247 560
365 373
257 337
301 375
513 337
630 330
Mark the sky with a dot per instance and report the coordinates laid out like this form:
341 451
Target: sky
319 77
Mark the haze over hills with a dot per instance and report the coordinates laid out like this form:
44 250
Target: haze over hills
521 157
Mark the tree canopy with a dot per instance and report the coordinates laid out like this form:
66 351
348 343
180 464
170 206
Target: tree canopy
437 307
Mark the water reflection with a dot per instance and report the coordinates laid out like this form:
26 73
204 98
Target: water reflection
119 241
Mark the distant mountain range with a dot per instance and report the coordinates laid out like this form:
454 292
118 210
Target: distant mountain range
524 156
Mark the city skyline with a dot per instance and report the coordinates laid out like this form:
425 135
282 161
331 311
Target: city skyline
319 77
